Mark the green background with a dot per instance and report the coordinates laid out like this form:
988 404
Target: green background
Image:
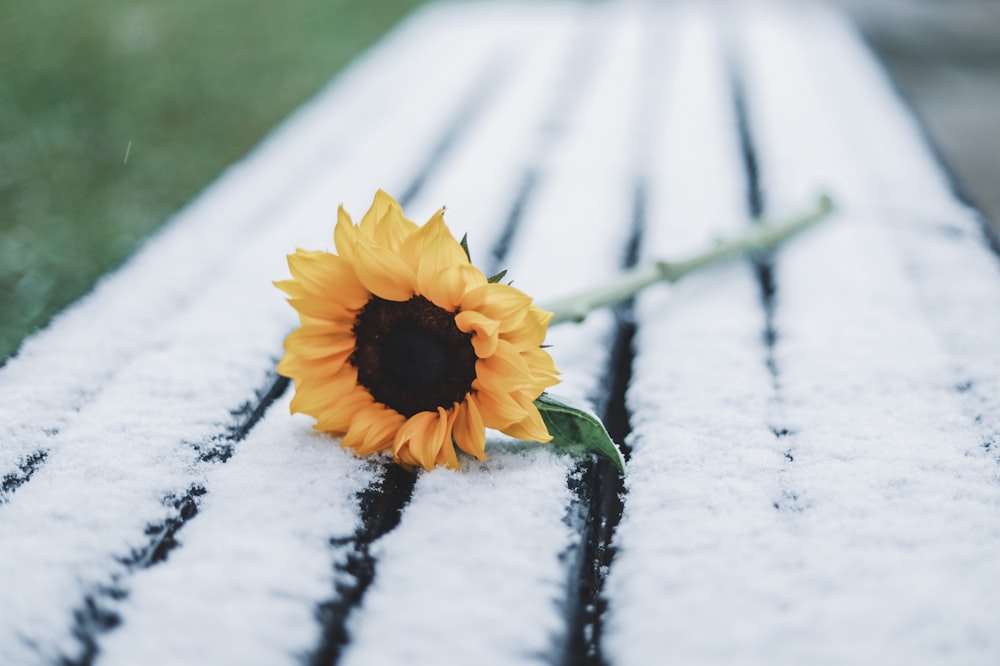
191 85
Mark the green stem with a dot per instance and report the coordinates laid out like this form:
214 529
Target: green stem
762 236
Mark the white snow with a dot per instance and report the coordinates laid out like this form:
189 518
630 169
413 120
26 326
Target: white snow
867 533
476 571
277 590
125 442
251 569
59 370
840 510
940 243
704 463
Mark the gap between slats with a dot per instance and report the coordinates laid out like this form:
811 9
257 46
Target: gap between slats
600 489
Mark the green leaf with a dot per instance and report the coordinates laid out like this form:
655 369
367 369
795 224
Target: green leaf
465 246
493 279
575 429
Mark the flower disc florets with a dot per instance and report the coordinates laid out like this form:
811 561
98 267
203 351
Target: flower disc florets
406 346
411 355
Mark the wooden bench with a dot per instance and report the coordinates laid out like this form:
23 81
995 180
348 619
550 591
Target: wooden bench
812 435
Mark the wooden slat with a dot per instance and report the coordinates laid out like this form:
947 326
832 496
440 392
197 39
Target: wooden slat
279 489
861 527
255 563
477 572
813 464
486 173
952 268
698 517
888 491
69 532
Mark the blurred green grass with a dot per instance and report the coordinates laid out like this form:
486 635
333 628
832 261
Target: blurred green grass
184 87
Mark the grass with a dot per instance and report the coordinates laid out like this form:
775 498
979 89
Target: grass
182 88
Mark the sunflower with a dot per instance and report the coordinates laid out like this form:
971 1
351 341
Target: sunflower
406 346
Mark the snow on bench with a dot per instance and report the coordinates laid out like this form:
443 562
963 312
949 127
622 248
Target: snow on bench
813 435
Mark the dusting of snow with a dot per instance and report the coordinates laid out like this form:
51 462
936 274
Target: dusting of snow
127 435
702 475
475 573
57 372
452 586
251 569
826 496
862 528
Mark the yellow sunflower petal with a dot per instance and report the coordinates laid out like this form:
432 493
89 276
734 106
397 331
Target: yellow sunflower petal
344 235
448 251
326 275
385 223
485 331
383 273
413 427
443 270
543 368
499 409
393 229
315 395
382 431
499 302
362 422
292 288
417 442
310 346
336 417
530 332
532 427
446 288
316 326
372 429
469 431
380 204
446 454
427 450
529 431
322 308
505 370
413 248
304 368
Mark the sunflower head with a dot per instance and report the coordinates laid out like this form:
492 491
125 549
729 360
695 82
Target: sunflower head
405 346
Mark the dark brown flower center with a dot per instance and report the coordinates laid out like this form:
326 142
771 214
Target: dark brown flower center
411 356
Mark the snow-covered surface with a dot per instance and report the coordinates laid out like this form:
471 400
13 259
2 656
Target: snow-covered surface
254 565
125 439
831 497
60 370
481 553
704 466
846 512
